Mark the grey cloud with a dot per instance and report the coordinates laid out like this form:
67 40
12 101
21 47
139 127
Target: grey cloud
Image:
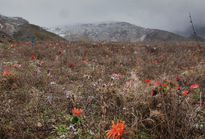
170 15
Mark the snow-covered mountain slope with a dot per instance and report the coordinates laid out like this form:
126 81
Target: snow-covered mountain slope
20 29
113 31
10 25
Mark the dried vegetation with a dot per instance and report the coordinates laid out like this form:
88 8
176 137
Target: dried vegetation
38 95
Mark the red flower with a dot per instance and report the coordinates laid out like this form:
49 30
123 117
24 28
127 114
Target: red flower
71 64
116 131
191 67
6 72
147 81
179 88
162 84
202 105
77 111
177 78
60 51
85 61
37 70
8 67
32 57
158 83
185 93
194 86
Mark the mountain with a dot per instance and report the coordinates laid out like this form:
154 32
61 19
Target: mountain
113 31
20 29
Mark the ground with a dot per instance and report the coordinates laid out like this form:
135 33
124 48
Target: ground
41 82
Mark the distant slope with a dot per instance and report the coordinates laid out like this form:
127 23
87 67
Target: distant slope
33 32
20 29
114 31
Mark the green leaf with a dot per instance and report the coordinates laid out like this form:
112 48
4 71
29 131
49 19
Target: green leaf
75 119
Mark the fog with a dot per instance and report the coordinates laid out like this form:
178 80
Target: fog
171 15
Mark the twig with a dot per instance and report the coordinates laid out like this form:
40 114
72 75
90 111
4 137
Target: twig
200 99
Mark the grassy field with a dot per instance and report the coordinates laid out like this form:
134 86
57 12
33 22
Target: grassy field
146 85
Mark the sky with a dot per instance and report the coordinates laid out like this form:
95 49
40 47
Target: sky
170 15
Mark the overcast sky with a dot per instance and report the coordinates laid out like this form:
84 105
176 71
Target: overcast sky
171 15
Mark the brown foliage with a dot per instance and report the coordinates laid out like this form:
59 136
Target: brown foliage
34 103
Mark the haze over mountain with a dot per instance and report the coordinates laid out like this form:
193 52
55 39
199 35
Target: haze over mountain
200 30
113 31
20 29
170 15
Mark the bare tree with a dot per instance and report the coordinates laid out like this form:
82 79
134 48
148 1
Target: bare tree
194 31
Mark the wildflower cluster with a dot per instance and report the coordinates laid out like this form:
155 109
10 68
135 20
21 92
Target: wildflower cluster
116 131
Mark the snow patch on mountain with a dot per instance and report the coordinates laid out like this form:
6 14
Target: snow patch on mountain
10 25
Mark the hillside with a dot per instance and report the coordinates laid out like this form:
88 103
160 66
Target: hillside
28 32
19 29
114 32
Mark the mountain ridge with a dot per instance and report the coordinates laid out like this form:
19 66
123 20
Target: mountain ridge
113 31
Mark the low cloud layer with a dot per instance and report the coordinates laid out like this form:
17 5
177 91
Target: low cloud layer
171 15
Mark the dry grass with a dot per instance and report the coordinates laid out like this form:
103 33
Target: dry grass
38 104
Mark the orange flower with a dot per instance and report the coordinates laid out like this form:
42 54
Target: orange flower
185 93
198 50
77 111
116 131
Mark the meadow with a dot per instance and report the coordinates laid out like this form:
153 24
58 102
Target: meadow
157 89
